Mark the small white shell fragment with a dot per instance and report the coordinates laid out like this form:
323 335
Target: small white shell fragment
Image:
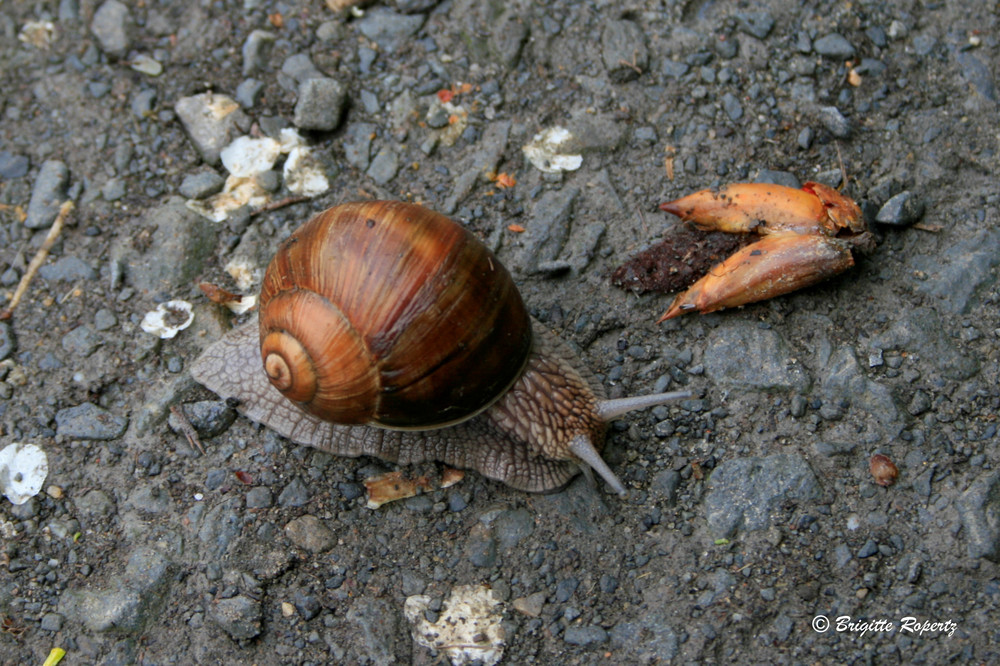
147 65
37 33
468 629
245 304
168 319
244 273
290 138
7 530
304 174
247 156
220 106
23 468
239 191
545 151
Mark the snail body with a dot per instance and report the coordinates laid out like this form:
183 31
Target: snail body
386 329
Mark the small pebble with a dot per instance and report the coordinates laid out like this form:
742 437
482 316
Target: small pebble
901 210
320 104
834 45
47 195
13 166
835 122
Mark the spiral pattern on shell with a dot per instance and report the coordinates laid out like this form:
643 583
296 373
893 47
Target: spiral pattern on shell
392 314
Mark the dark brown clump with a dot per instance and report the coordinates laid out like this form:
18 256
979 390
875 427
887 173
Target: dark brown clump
678 261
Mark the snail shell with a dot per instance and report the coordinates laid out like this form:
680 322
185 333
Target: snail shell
386 329
390 314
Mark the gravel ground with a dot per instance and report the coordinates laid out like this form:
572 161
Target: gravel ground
752 511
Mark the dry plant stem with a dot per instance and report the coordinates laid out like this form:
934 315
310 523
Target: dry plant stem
187 428
281 203
38 259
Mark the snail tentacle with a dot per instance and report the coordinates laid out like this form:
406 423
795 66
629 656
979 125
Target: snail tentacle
612 409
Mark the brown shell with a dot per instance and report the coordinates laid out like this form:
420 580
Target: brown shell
388 313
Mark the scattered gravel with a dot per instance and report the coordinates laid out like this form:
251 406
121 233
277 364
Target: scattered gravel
751 507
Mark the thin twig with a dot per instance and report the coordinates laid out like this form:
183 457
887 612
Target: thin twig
185 425
38 259
281 203
843 171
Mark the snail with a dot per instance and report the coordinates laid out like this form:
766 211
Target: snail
387 329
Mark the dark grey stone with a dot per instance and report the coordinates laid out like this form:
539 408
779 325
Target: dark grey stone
294 494
756 24
257 51
113 189
67 269
259 498
829 449
414 6
209 417
843 379
219 526
901 210
805 138
80 342
307 531
745 493
13 166
93 506
507 39
922 330
834 45
741 354
201 184
142 103
320 104
179 233
731 105
88 421
7 341
549 228
624 51
869 548
835 122
955 275
215 478
306 604
979 509
389 29
300 67
147 569
510 527
777 178
384 166
51 622
481 548
585 634
238 616
211 121
484 159
978 74
358 144
248 92
565 589
841 555
379 627
111 25
48 193
104 319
